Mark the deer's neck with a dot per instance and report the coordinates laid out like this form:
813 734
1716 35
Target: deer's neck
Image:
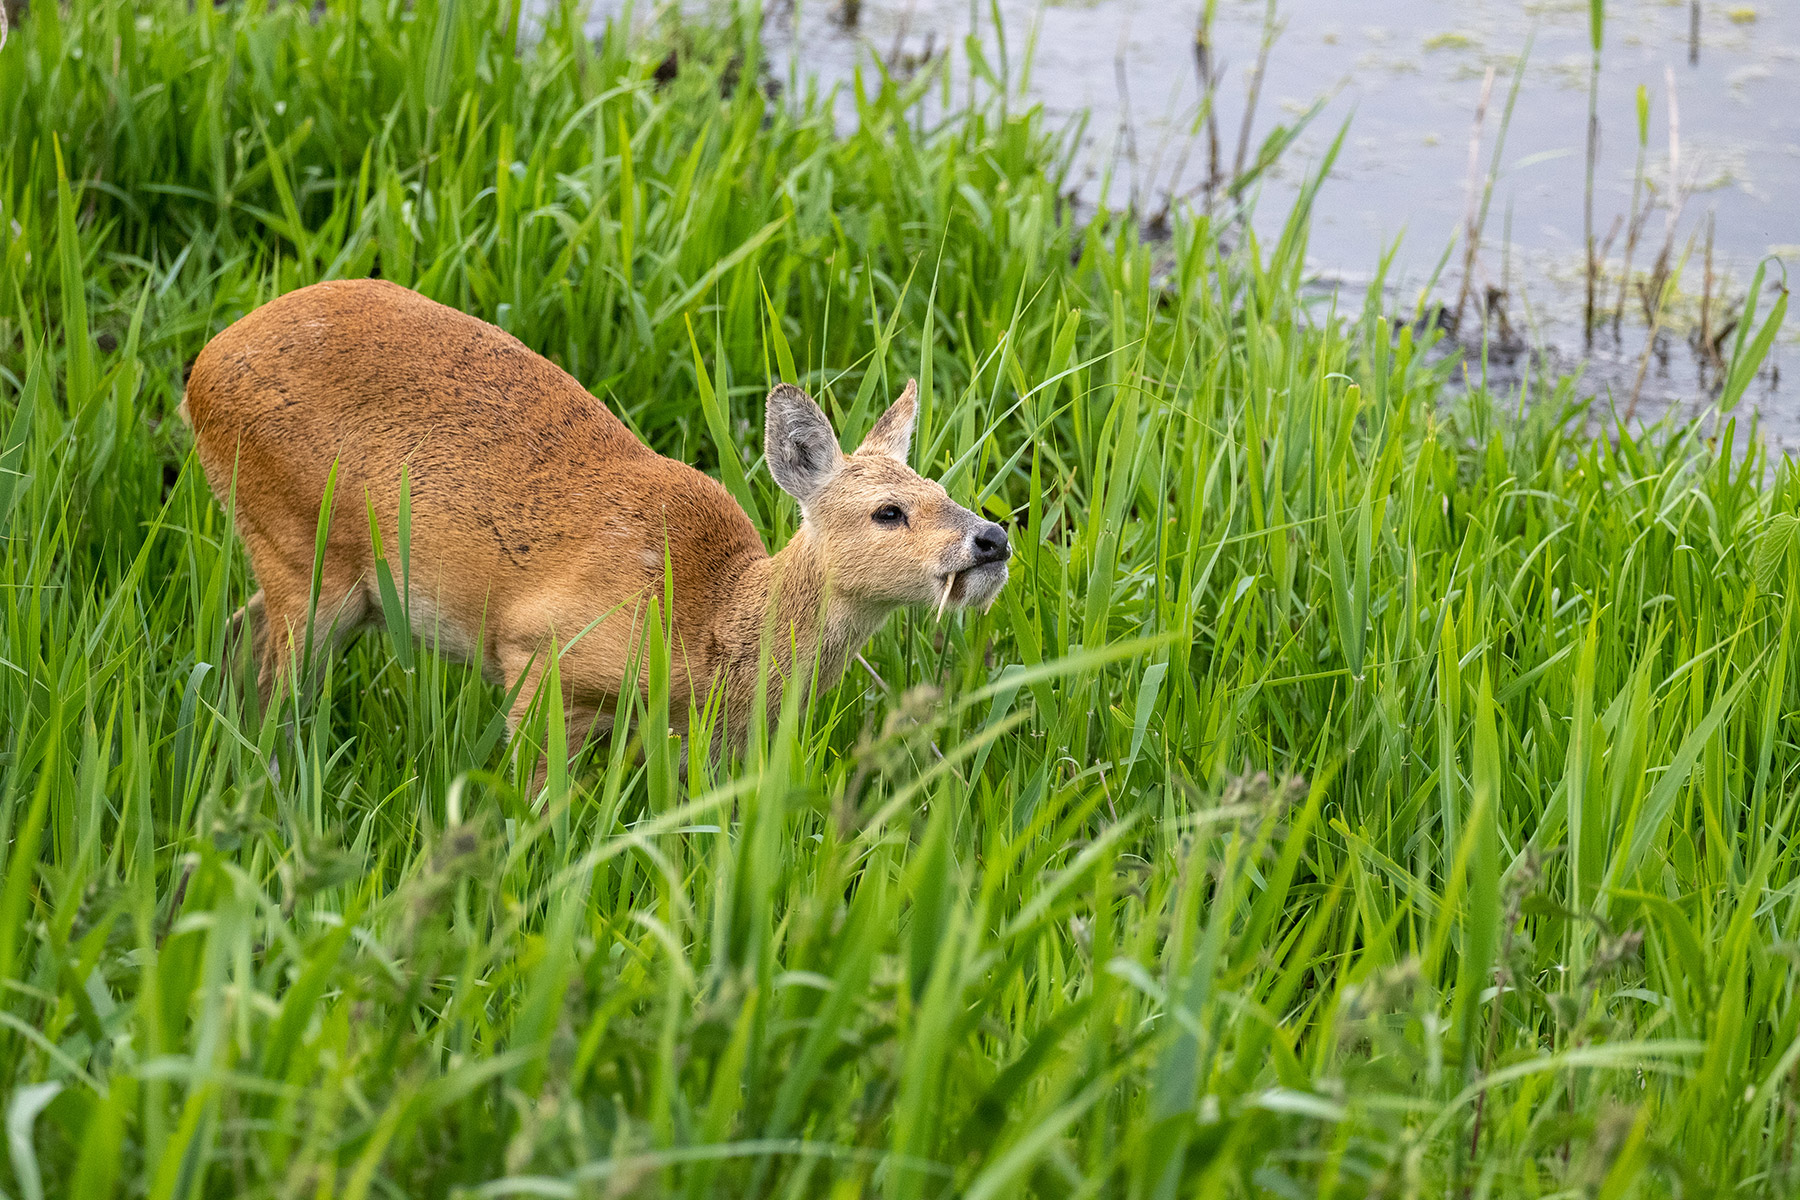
786 602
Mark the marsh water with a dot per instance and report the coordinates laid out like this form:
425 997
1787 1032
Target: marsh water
1719 165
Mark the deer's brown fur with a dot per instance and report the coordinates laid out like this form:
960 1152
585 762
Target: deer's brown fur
537 515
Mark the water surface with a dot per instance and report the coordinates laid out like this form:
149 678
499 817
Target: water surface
1408 75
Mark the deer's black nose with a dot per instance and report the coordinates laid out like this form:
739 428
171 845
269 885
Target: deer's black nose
990 544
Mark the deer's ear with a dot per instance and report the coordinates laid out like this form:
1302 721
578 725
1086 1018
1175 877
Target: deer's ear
798 442
892 434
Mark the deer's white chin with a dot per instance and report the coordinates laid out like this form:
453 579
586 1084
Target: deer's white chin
971 587
978 586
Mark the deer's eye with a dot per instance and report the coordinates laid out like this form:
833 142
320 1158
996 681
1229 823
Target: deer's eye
890 515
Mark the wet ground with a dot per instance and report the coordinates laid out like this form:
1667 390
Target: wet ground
1409 76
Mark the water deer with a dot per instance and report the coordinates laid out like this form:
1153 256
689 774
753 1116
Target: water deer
540 524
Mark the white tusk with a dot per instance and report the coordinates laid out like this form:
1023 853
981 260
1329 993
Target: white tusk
949 582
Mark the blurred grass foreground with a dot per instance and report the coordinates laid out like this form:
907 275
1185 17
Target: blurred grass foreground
1365 787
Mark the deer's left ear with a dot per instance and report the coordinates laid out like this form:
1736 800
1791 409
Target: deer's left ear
892 434
802 451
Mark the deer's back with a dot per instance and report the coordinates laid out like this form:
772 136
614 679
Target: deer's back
372 374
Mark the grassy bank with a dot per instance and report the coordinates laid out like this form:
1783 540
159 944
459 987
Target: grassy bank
1355 791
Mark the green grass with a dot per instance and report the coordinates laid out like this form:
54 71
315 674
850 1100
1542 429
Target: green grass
1363 786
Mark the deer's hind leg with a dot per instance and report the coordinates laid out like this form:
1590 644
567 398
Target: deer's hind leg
248 630
277 616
